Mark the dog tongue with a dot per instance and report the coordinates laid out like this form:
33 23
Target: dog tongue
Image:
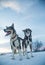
7 33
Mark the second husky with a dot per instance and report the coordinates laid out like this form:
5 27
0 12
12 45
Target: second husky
27 41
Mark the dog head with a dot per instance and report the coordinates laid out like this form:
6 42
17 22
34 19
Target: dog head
9 30
27 32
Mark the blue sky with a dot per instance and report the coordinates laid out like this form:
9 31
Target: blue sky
24 14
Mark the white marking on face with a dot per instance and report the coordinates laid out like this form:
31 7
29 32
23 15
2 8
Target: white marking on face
28 33
10 31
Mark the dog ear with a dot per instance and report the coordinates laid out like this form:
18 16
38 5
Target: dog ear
6 27
30 30
13 25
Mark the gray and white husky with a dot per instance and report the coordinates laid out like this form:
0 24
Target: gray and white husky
27 41
15 40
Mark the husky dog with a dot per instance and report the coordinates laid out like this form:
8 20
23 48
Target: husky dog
15 40
27 41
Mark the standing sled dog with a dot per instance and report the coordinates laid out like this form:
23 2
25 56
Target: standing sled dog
15 40
27 41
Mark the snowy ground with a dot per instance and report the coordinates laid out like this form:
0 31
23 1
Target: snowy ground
38 59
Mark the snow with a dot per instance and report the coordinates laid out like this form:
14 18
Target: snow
38 59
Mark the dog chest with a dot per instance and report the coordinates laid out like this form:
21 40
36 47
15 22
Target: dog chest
16 43
28 42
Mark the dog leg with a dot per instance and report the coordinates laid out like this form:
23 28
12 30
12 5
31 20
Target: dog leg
26 53
13 57
23 47
23 51
31 50
20 55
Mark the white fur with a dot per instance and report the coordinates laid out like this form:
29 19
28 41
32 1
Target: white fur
28 33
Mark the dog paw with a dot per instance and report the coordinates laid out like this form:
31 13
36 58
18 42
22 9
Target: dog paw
13 58
23 54
32 56
20 59
28 58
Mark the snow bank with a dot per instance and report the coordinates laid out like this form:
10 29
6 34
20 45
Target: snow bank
38 59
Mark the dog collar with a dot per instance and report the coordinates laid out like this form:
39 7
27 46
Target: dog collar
13 37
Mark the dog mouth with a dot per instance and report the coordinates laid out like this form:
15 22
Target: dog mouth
8 33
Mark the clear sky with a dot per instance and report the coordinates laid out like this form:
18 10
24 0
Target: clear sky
24 14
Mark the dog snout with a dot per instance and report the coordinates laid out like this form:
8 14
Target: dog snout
4 30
